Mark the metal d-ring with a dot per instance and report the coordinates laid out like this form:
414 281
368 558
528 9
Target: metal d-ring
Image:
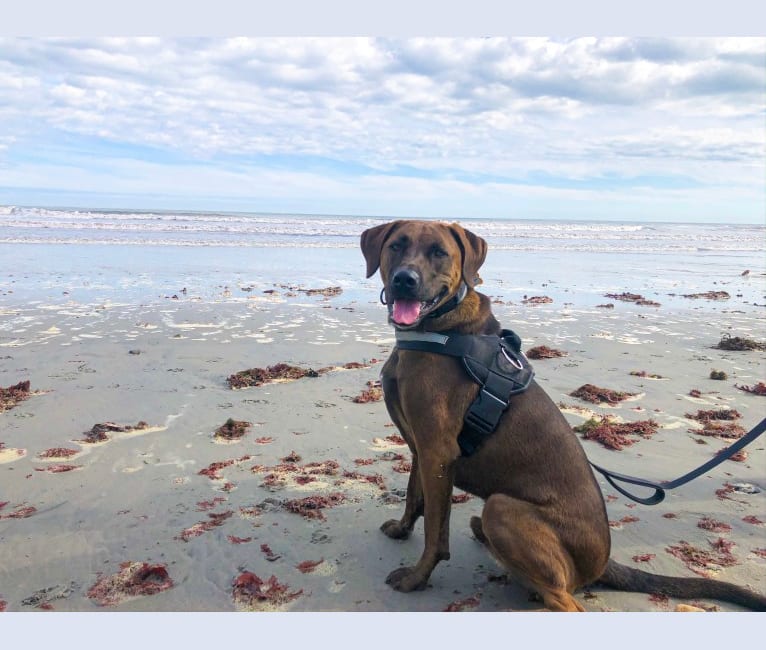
382 291
516 364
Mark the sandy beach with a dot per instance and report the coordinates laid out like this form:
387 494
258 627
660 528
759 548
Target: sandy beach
156 513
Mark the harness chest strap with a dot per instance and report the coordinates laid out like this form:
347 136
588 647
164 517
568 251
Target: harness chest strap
494 362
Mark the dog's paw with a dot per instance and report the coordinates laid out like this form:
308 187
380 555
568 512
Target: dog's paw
394 529
406 579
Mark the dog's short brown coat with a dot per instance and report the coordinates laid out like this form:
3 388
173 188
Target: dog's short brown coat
544 517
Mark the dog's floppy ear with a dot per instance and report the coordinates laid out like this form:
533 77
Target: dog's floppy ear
372 244
474 250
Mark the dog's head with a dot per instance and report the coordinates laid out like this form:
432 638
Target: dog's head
422 265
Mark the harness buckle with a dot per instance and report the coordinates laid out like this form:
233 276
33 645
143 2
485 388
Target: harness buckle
485 412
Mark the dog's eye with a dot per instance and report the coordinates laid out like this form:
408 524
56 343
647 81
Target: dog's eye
396 246
438 252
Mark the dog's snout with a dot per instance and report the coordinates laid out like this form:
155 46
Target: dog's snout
406 280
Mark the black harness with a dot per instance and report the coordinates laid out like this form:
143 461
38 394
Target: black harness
494 362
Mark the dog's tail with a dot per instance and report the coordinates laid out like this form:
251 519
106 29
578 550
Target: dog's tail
625 578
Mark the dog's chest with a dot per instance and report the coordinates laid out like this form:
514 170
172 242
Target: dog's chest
423 379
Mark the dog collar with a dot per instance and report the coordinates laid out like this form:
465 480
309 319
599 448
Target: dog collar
451 303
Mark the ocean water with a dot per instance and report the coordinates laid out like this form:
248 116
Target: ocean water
126 255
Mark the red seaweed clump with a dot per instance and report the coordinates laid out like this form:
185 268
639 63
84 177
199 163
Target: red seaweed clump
12 395
596 395
373 393
738 457
292 457
99 431
717 423
703 562
722 430
275 476
133 580
312 507
271 556
58 468
614 435
204 506
214 520
724 493
646 557
760 552
738 344
537 300
643 373
708 295
714 414
752 519
402 467
233 539
375 479
708 523
472 602
659 599
260 376
544 352
284 372
755 389
624 296
21 512
395 439
632 297
327 292
58 452
364 461
232 429
265 440
251 593
212 471
308 566
460 498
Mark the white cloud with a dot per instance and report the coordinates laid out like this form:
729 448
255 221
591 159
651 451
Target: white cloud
443 108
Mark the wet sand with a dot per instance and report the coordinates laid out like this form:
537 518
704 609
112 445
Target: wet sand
139 495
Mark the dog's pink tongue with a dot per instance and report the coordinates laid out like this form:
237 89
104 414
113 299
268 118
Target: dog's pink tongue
406 312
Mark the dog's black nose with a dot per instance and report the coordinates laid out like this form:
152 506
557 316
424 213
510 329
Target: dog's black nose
406 280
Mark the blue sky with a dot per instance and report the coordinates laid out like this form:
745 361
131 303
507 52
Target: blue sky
650 129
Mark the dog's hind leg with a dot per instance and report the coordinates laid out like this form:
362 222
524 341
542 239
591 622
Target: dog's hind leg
530 549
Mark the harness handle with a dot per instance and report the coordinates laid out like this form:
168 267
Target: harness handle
659 488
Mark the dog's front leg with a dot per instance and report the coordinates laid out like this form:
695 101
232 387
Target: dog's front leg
436 471
413 509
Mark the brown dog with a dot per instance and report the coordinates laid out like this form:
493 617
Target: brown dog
544 518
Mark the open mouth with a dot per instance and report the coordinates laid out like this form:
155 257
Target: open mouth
407 312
